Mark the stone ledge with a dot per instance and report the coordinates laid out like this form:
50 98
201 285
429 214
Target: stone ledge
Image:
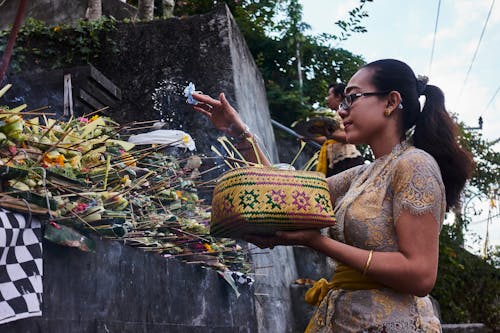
465 328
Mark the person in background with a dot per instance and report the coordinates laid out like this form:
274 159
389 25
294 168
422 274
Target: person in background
336 155
389 213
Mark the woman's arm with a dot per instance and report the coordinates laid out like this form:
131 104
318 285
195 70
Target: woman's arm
226 119
413 269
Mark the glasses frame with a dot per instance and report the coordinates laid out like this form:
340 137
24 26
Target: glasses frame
351 98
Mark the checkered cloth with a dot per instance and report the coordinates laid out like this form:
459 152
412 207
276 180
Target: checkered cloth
20 267
241 278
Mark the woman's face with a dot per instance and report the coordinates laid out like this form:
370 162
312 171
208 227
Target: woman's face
364 121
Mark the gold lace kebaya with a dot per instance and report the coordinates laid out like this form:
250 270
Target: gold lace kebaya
368 201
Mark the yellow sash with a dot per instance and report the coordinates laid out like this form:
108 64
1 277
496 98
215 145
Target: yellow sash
323 156
344 277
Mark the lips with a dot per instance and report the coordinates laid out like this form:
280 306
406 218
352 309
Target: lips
347 124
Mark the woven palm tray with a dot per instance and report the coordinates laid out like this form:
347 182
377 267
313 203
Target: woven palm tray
256 200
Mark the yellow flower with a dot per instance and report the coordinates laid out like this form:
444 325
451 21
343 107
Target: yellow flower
57 28
93 118
75 161
128 159
60 160
208 247
126 180
53 158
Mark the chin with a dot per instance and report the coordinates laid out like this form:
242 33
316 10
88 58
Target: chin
351 139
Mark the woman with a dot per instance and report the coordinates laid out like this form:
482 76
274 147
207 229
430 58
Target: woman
389 213
336 154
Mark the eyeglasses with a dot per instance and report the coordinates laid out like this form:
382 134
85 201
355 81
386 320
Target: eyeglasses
349 99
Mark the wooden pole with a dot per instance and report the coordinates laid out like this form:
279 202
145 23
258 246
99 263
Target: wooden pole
12 38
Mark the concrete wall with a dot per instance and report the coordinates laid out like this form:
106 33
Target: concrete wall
126 290
158 59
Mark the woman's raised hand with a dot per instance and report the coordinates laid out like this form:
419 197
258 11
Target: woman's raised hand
222 115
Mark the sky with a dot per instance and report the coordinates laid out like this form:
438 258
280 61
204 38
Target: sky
468 74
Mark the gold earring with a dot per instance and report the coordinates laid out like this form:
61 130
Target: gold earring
387 112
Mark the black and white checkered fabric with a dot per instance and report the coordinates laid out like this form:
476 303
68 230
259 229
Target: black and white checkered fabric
241 278
20 267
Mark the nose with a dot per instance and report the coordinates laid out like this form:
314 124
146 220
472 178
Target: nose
342 112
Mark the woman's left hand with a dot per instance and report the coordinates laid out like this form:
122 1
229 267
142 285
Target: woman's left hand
301 237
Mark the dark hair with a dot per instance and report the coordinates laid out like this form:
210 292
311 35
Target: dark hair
338 89
435 131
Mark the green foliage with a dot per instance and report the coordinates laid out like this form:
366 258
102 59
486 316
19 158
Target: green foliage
484 181
60 45
353 23
467 286
487 170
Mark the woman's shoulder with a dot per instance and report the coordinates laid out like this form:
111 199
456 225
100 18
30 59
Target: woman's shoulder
415 157
414 162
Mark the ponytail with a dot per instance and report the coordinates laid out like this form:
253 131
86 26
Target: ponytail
437 134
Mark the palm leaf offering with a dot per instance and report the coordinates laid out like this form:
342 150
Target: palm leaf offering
82 177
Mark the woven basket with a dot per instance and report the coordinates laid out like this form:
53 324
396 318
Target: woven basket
255 200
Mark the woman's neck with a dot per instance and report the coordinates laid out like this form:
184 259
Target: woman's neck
384 146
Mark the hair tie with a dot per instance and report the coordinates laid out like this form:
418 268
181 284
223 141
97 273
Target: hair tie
421 84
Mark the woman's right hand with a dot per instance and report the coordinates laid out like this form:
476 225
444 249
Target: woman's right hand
222 115
225 118
300 237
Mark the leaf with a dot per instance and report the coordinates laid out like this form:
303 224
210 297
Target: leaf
92 126
66 236
229 279
36 199
124 144
4 89
19 108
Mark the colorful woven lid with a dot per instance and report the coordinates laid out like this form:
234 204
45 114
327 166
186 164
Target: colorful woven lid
256 200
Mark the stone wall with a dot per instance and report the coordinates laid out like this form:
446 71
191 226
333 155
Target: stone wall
158 59
123 289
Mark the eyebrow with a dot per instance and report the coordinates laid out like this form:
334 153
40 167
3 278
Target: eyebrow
348 89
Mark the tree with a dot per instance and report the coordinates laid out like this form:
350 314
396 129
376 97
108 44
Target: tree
484 180
94 10
168 8
146 10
